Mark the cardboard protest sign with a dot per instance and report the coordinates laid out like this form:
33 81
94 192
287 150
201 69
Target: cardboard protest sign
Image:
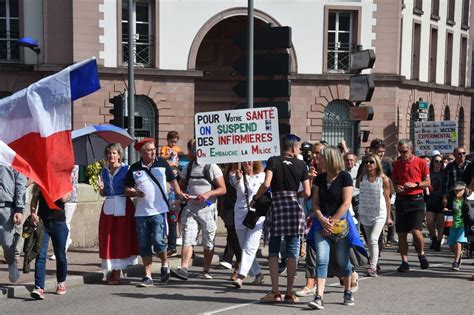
435 135
233 136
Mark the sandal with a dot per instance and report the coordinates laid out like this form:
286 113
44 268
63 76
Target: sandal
272 297
114 277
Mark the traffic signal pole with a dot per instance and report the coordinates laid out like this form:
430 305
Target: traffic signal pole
131 75
250 33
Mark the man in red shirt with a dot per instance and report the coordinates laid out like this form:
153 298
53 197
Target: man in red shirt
410 176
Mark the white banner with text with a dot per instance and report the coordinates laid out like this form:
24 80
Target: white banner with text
435 135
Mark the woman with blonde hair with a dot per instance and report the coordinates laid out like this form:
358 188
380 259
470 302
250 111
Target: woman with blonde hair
374 206
246 181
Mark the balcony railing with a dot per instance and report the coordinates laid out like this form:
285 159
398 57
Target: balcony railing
339 57
144 46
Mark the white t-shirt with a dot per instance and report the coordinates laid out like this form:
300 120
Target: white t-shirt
240 208
198 183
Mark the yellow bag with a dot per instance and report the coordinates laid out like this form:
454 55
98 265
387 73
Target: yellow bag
340 229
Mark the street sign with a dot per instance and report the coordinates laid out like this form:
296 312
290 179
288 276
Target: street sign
282 107
422 105
267 38
268 88
364 59
423 115
361 88
361 113
265 64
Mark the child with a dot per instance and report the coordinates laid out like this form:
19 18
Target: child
171 151
456 206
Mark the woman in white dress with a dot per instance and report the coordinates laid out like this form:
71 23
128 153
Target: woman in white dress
249 239
374 206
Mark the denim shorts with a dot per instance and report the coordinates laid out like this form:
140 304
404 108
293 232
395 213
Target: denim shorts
151 230
292 246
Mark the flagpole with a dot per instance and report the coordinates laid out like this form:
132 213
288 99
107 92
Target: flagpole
131 74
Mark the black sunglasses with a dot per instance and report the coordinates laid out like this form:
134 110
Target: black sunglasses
370 162
438 161
461 153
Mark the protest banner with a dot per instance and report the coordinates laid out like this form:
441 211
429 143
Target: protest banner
435 135
233 136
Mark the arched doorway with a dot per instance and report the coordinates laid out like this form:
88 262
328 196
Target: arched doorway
447 113
461 127
413 119
145 108
431 113
336 123
213 51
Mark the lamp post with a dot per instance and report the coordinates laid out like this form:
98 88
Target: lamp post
31 44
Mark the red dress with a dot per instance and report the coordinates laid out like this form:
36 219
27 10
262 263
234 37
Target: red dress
118 243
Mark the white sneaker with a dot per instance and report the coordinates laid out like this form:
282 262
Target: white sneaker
179 241
52 257
225 264
13 274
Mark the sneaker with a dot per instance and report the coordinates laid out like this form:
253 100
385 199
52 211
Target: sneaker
233 276
306 292
348 298
61 288
455 266
52 257
238 283
258 279
37 294
180 273
282 267
354 282
207 275
371 272
291 298
272 297
225 264
165 274
423 262
433 243
171 253
404 267
437 246
13 274
317 303
146 282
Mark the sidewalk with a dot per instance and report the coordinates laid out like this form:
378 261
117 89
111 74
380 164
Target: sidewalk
84 266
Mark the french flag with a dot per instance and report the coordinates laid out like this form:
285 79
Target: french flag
35 127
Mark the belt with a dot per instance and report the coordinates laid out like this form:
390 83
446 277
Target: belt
6 204
410 196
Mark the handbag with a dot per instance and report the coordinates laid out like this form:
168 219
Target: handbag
251 217
262 205
340 229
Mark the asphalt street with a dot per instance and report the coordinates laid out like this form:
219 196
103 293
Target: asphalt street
437 290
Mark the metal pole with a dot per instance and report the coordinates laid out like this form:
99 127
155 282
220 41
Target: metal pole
250 32
131 75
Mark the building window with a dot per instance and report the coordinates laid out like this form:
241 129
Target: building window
145 108
449 58
341 40
413 119
418 7
462 62
435 9
144 41
450 16
465 15
336 123
433 54
461 127
447 113
9 31
431 113
415 65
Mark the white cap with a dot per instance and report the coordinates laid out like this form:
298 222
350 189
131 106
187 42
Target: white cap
436 152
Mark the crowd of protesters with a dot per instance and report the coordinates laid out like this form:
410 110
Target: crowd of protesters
325 201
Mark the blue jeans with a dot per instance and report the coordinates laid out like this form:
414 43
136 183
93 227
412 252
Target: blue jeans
292 246
151 230
323 247
58 232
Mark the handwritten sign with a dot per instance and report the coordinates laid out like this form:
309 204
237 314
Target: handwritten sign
369 199
435 135
237 135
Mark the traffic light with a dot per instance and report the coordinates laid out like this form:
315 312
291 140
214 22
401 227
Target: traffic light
118 111
272 63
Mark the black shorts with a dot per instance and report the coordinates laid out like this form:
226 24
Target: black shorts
410 213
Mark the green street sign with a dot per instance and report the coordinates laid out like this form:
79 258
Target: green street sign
423 105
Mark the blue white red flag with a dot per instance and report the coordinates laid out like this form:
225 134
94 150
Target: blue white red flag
35 127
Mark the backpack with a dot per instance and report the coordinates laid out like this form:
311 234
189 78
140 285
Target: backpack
206 174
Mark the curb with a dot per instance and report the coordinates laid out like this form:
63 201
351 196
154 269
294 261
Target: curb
23 290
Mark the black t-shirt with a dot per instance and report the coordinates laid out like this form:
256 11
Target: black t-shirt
287 173
330 198
47 214
468 174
